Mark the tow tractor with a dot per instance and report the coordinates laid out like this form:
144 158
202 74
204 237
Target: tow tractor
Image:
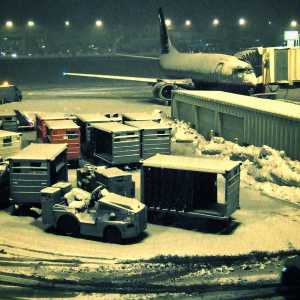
100 213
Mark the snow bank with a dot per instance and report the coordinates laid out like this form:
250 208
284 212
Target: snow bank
265 169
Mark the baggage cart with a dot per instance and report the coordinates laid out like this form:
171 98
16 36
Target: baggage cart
190 186
65 131
115 143
155 137
34 168
10 143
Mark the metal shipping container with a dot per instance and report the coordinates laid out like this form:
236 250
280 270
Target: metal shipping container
42 118
10 143
115 143
248 120
86 120
34 168
65 131
155 137
189 186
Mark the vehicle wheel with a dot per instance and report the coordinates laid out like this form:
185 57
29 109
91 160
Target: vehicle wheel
68 225
112 235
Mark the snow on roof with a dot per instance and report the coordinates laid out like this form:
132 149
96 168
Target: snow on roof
61 124
88 118
147 125
7 114
208 165
40 152
114 127
4 133
52 116
276 107
140 116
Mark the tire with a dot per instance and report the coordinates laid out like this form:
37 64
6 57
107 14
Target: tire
112 235
68 225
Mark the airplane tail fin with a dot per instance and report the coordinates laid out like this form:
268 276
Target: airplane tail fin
165 43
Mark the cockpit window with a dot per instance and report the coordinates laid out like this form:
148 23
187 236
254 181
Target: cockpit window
243 70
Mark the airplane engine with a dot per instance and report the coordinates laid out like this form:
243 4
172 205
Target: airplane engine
163 91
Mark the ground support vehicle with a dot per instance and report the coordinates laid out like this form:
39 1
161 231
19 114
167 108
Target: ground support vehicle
85 121
115 143
155 137
8 121
65 132
100 213
34 168
10 143
9 93
115 180
190 187
42 118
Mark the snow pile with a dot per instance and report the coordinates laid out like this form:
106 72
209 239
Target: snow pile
264 168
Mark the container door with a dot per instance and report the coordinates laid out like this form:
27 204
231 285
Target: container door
232 191
281 65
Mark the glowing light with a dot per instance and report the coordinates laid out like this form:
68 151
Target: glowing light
294 23
188 23
5 83
67 23
99 23
168 22
242 22
9 24
30 23
216 22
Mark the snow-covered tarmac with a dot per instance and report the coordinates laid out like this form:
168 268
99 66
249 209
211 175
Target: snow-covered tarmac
264 224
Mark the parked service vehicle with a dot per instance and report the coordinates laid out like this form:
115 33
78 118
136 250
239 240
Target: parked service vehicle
9 93
34 168
100 213
190 186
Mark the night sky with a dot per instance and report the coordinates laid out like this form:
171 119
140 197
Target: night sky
139 13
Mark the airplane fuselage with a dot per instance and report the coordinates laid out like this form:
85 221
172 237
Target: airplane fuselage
208 68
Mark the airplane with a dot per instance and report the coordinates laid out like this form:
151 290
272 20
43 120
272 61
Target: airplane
192 70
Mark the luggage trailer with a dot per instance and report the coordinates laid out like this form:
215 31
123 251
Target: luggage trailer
188 186
65 131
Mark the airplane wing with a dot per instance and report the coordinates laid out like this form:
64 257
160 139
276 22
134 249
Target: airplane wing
129 78
136 56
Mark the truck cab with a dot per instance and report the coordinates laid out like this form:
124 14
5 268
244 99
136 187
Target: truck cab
100 214
9 93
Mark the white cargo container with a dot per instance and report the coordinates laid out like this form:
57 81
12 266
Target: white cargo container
10 143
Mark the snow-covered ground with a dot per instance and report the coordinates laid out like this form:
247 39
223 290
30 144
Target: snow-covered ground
265 169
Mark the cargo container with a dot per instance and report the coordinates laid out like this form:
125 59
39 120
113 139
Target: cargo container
42 118
243 119
10 143
65 131
115 143
115 180
34 168
140 116
155 137
86 120
8 121
190 186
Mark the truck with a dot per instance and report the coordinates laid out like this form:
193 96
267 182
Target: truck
100 214
9 93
